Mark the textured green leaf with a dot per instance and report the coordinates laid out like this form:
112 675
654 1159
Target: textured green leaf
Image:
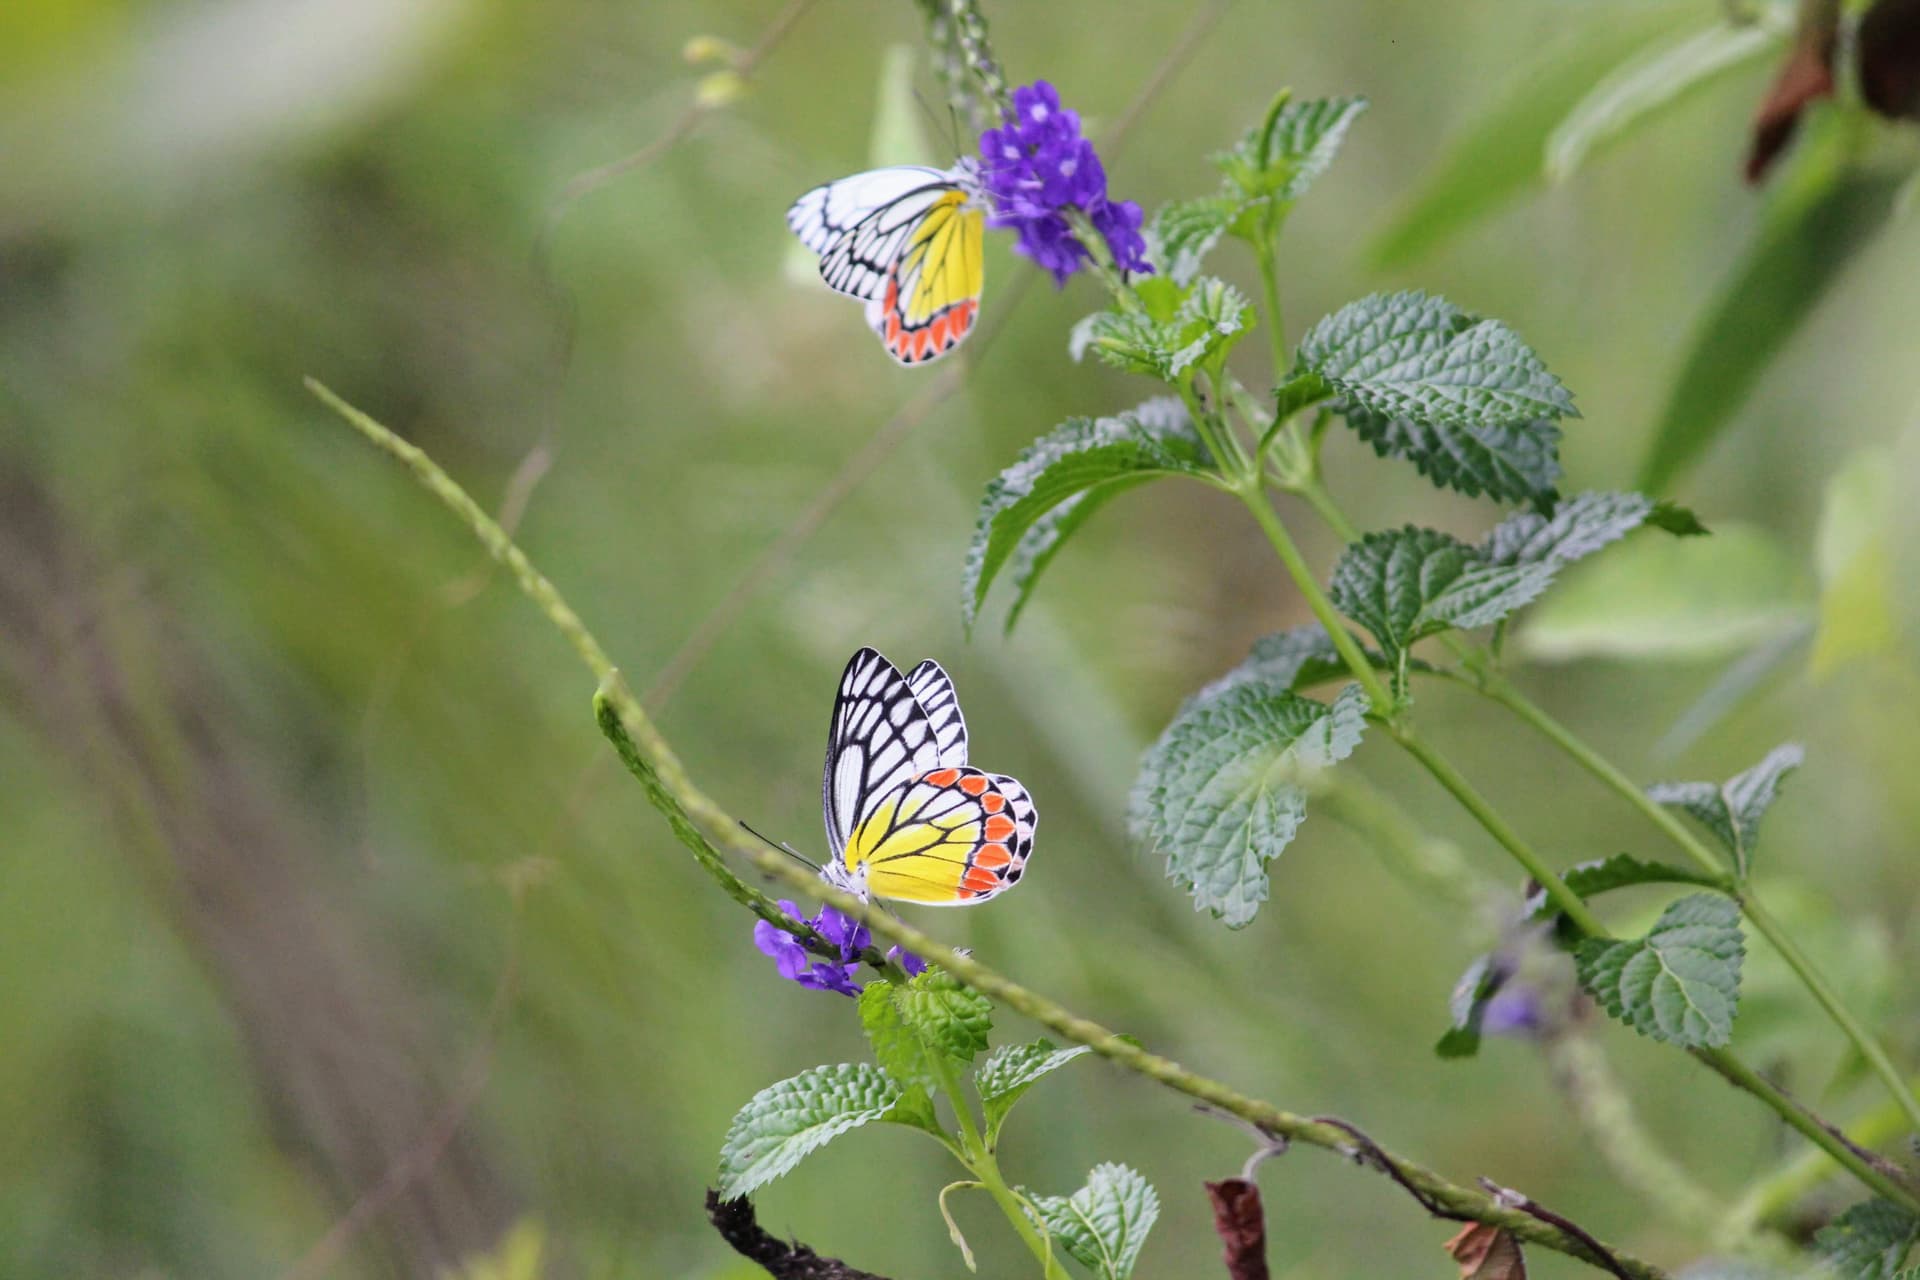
1298 392
1105 1223
1656 78
1220 791
1498 155
1183 233
1510 462
1665 598
785 1122
1809 237
1733 809
1209 317
1621 871
1579 526
1406 584
1081 456
1010 1071
1679 984
930 1021
1285 153
1870 1241
1417 356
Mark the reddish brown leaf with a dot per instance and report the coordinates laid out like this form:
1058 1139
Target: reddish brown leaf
1805 78
1241 1226
1487 1253
1890 58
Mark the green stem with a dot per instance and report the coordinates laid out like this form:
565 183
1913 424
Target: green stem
701 824
1771 1196
1270 294
1309 588
980 1161
1502 691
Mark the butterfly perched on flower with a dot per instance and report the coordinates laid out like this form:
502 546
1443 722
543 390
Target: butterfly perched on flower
905 240
907 817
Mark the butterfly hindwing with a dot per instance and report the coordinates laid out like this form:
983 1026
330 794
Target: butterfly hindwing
954 836
879 739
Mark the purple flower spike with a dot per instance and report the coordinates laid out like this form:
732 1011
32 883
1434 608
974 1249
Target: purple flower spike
910 963
797 964
1037 164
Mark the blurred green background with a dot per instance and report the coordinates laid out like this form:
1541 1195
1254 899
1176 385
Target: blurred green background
289 784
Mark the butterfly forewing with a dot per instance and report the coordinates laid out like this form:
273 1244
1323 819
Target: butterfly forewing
934 691
879 740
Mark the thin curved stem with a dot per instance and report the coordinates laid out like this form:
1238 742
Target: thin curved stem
701 825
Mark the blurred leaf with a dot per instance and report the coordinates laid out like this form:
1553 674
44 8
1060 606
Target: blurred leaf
786 1122
1733 810
1467 1006
1681 983
1183 233
516 1257
1579 526
1220 789
1204 322
1013 1069
1286 152
1621 871
1094 456
1498 155
1486 1252
1664 598
1105 1223
1464 399
1656 78
1868 1241
1406 584
1734 686
899 119
1828 214
1854 554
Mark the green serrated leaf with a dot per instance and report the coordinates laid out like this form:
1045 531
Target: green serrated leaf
1283 155
1105 1223
1082 456
1664 598
1621 871
1578 527
1681 983
1406 584
1676 520
1221 790
1208 318
930 1023
1212 318
1870 1241
1417 356
1732 810
1013 1069
1656 78
1299 391
1510 462
1183 233
784 1123
915 1110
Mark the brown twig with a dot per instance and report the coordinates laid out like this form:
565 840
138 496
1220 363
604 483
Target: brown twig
735 1221
1533 1209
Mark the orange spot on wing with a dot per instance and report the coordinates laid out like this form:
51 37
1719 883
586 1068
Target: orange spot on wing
992 857
974 783
993 802
939 332
979 879
999 827
941 777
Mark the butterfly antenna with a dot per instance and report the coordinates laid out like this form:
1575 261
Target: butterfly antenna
783 847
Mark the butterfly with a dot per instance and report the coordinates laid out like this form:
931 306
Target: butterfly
905 240
907 817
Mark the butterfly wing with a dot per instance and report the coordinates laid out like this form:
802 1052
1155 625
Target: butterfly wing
934 691
879 740
952 837
931 297
859 225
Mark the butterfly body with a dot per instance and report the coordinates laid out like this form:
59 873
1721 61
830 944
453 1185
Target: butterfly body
907 241
907 817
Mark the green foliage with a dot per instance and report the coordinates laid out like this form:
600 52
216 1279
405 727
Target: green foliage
1105 1223
1621 871
1089 458
1810 236
1467 1006
1580 526
1732 810
1292 659
1654 79
1010 1071
1406 584
1221 790
1660 598
1870 1241
928 1028
786 1122
1181 328
1183 233
1462 398
1679 984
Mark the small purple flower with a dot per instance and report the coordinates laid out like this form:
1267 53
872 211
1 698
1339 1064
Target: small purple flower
1516 1011
797 964
1037 164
